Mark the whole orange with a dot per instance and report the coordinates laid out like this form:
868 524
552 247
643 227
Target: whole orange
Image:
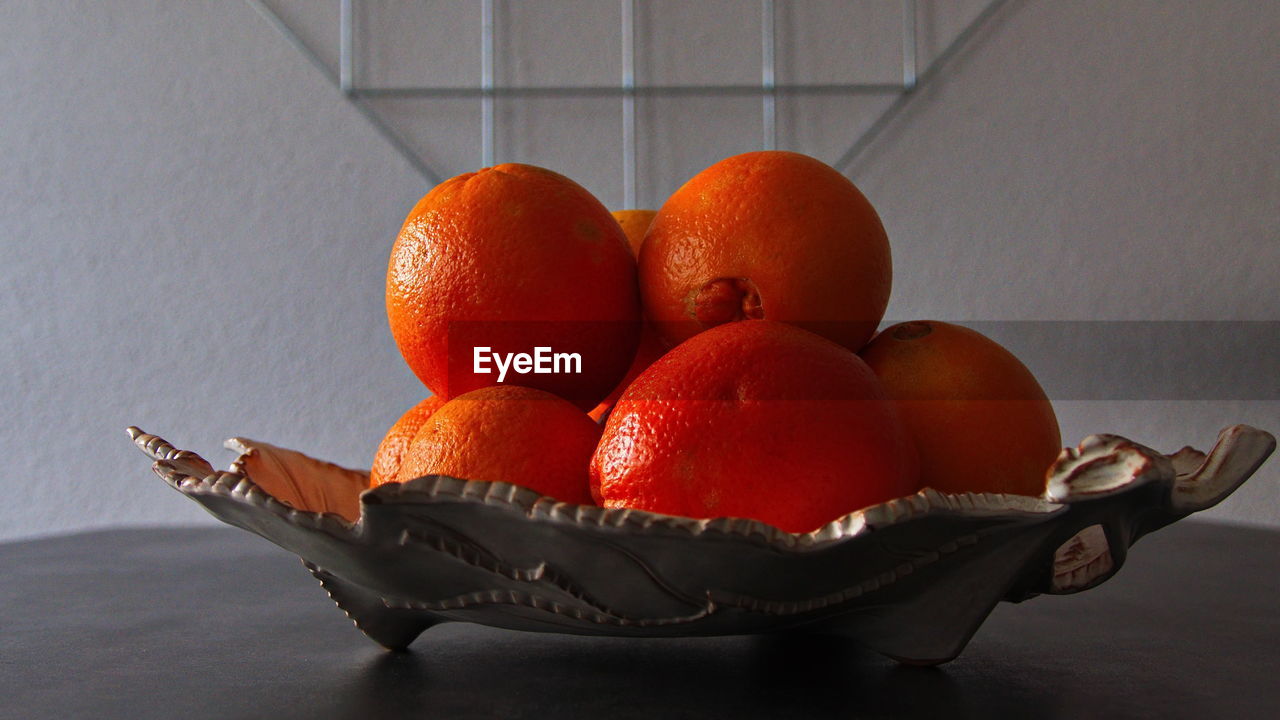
498 263
511 434
772 235
386 461
979 419
755 419
634 223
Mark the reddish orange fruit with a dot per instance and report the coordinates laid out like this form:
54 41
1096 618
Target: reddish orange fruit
510 434
756 419
495 264
386 462
979 419
767 235
634 223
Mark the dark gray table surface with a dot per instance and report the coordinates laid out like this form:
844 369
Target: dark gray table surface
198 623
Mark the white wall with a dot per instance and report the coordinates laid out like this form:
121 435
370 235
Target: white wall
194 223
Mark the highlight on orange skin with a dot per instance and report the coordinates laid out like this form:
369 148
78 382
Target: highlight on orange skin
386 461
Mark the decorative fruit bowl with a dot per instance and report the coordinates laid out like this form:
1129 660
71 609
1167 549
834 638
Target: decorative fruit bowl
912 578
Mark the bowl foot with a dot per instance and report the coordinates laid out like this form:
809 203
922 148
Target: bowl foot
393 628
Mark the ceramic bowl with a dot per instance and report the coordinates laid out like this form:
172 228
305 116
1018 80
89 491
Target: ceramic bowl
912 578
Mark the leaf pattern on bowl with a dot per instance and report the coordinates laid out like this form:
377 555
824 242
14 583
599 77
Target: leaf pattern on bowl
912 578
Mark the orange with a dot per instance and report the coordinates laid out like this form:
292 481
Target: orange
979 419
386 462
758 419
767 235
510 434
634 223
497 263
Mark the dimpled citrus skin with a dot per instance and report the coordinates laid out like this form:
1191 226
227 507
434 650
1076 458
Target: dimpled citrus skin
513 257
386 461
754 419
767 235
978 417
511 434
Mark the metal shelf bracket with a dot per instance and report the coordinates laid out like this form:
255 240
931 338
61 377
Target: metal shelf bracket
346 79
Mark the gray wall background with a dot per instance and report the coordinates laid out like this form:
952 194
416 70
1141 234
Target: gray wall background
195 224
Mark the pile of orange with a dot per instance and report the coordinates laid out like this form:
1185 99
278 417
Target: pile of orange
715 358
